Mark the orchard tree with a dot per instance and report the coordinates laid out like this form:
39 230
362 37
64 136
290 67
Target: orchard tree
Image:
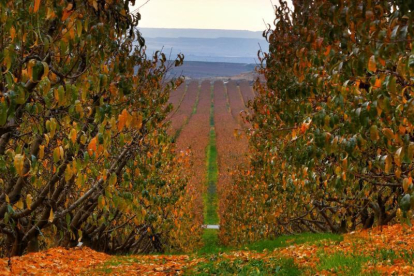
84 154
332 134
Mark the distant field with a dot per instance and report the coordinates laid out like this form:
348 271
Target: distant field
200 70
205 118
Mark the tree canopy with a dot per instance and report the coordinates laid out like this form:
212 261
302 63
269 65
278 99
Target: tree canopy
84 153
332 141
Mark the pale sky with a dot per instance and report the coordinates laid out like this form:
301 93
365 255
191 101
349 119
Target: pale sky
207 14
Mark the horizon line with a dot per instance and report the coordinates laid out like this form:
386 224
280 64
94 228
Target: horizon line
176 28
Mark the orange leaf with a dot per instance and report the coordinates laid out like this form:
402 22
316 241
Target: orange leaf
328 50
92 146
66 14
377 83
13 33
122 119
36 6
372 65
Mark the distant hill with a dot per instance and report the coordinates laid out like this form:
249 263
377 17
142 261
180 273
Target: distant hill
233 50
231 46
198 33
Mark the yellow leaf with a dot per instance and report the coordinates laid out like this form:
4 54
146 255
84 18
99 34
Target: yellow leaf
51 216
374 133
41 152
36 6
372 65
7 199
95 4
338 170
68 173
50 14
73 135
29 199
56 155
61 152
388 164
79 235
19 204
19 163
406 184
112 179
47 139
79 181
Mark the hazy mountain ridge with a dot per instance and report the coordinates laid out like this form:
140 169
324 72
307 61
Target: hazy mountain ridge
232 46
199 33
236 50
233 51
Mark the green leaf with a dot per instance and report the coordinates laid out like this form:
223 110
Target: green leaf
3 114
392 85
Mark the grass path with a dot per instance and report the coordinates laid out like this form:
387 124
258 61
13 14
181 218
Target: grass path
210 198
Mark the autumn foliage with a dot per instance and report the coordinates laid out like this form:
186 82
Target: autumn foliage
331 138
84 152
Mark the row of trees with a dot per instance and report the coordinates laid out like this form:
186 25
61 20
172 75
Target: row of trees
84 153
332 142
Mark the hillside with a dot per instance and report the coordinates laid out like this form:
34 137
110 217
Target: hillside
230 46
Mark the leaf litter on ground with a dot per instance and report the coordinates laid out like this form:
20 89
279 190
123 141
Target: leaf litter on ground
380 251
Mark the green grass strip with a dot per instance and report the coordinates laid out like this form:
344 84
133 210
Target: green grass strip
210 199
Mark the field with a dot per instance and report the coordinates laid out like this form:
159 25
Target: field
206 122
204 70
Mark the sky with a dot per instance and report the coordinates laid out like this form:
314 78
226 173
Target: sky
206 14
